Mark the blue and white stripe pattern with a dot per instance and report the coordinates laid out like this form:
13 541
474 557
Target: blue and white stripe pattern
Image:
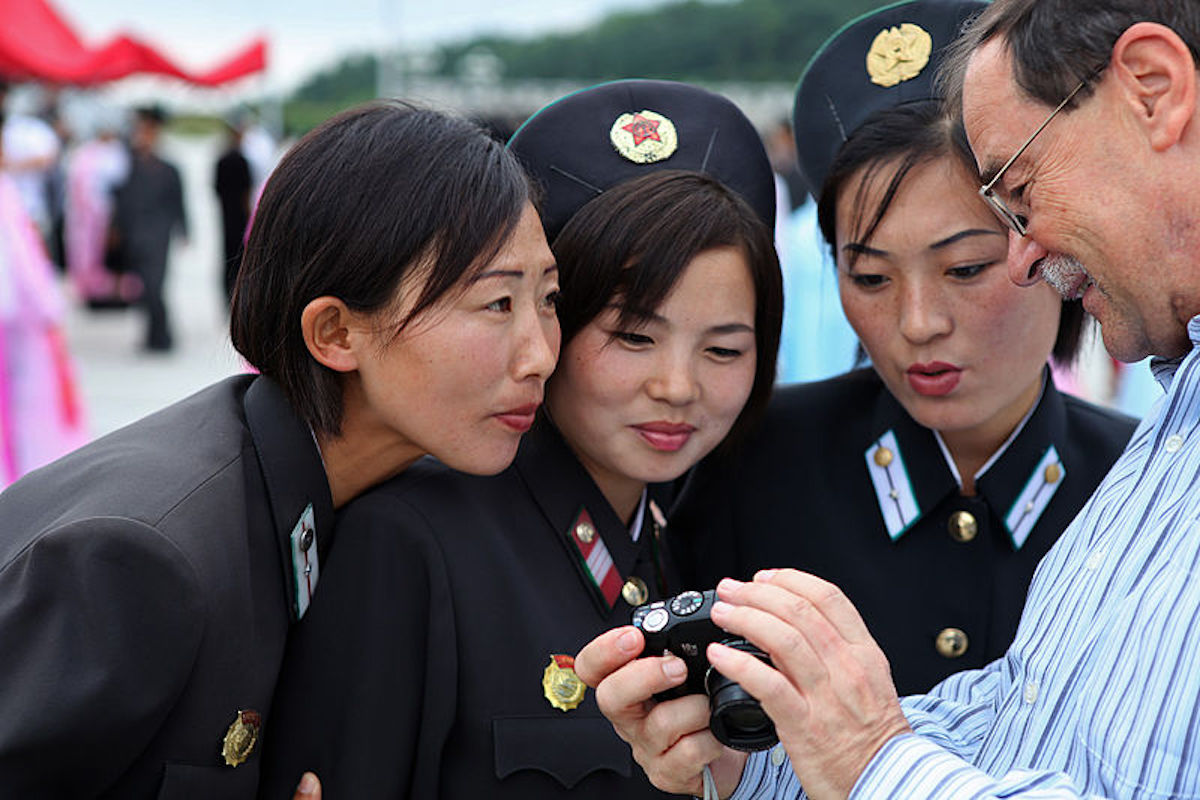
1099 695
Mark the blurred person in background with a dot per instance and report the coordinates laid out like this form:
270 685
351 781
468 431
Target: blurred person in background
148 212
234 185
95 168
31 149
817 341
41 417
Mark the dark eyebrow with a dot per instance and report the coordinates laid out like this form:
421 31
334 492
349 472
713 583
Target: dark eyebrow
862 249
949 240
866 250
731 327
655 318
508 273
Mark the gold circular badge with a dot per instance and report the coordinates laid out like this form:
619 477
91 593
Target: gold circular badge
1052 473
561 686
644 137
241 737
898 54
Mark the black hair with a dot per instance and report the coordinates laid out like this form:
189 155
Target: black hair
379 193
908 135
632 243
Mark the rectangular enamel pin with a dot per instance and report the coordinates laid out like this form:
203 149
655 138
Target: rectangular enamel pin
306 566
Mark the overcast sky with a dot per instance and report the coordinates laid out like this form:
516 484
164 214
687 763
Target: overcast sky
305 35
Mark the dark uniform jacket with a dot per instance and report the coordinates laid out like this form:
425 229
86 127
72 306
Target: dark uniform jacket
939 578
419 670
144 599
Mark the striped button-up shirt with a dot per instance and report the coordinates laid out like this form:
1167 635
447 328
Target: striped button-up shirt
1099 695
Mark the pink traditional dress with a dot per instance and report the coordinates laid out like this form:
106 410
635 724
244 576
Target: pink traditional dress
94 169
40 414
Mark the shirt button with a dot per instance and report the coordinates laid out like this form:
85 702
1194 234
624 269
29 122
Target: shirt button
1174 442
1031 693
1095 560
778 755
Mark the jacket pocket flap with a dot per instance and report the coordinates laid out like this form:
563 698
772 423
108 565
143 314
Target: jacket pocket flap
567 748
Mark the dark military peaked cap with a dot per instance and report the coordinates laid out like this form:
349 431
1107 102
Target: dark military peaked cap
878 61
592 140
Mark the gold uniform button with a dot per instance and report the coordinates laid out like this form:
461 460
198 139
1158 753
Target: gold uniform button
585 532
635 592
963 527
951 643
883 457
1053 473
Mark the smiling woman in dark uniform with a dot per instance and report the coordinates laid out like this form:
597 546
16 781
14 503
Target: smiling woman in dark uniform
928 487
437 662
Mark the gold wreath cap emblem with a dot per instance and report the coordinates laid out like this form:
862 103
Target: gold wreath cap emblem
561 686
241 737
644 137
898 54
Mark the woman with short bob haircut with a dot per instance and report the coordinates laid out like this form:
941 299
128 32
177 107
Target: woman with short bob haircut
463 598
397 298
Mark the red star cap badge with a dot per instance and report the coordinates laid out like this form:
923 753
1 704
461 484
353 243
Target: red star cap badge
643 129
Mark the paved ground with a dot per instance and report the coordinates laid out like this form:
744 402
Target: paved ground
119 382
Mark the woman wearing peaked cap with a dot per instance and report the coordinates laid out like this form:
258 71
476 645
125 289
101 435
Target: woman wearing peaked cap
439 660
928 486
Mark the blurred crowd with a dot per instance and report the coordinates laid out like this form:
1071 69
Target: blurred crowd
89 209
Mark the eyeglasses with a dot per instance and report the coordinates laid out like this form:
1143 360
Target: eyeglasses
987 192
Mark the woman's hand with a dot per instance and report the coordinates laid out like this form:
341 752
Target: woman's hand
670 740
830 690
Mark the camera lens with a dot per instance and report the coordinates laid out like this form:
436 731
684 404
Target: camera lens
735 717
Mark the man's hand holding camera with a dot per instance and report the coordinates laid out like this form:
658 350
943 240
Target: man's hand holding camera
829 690
670 740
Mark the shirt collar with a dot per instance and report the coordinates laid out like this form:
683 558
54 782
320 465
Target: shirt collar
1164 368
917 475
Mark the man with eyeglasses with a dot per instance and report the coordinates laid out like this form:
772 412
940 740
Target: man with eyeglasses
1084 116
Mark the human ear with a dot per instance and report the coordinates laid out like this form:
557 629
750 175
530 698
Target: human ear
1154 71
330 334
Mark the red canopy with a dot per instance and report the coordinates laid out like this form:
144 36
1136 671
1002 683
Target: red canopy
36 44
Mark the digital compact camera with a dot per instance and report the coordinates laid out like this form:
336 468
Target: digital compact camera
681 625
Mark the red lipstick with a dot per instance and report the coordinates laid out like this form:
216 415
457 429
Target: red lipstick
934 379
